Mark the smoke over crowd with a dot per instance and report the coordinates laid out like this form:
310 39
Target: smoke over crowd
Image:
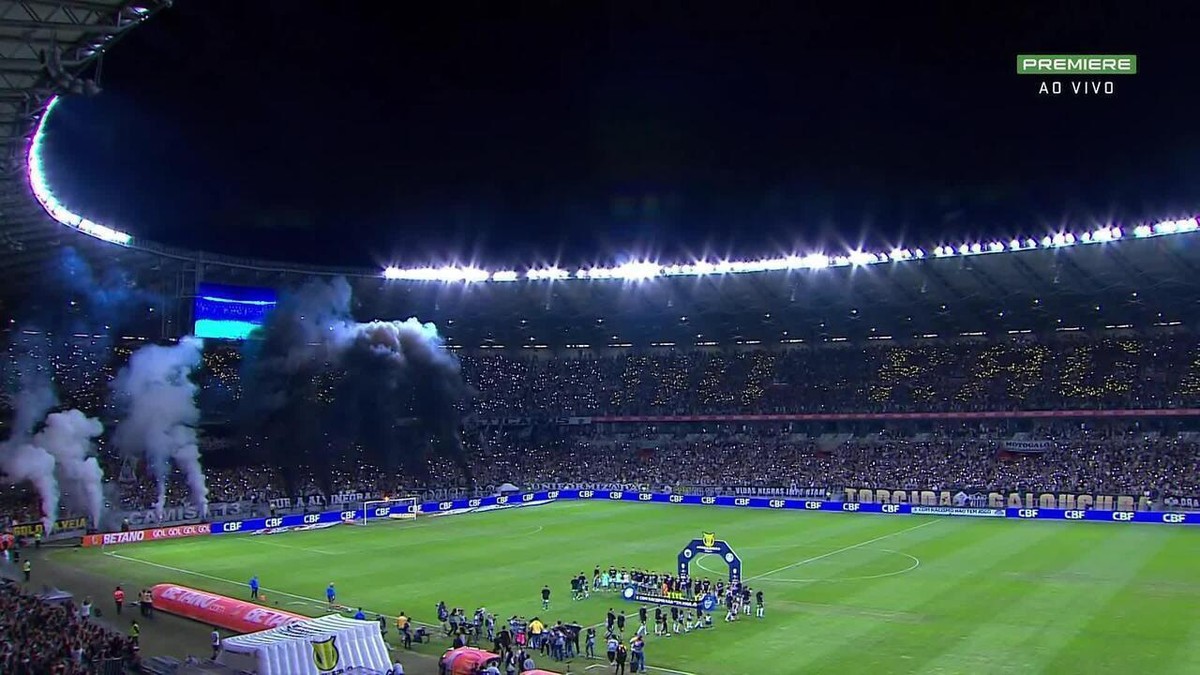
55 452
158 397
322 388
69 437
59 456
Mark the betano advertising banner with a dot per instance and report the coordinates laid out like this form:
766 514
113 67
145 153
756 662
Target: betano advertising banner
219 610
150 534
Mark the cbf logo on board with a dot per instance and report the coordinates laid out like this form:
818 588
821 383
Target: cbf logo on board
325 655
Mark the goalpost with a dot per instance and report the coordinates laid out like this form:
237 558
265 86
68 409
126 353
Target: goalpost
399 508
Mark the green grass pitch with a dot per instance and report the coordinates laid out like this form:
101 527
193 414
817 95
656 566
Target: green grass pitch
845 593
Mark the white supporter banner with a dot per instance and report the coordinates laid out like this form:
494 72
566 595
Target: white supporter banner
182 514
1027 446
339 499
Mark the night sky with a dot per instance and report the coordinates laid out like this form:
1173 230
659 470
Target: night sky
508 133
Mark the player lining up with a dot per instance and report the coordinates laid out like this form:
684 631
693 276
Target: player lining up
579 588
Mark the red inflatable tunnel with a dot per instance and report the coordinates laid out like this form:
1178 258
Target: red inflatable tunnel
219 610
467 661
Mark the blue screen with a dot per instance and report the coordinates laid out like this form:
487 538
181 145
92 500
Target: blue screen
230 312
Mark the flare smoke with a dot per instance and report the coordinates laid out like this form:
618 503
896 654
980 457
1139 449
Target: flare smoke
61 454
68 437
159 424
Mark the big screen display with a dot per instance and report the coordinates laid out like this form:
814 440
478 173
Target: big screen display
230 312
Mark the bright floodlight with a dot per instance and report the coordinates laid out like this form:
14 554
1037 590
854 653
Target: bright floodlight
547 273
445 274
636 271
631 271
816 261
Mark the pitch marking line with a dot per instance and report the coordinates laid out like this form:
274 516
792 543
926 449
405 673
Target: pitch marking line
663 670
916 562
180 570
264 542
840 550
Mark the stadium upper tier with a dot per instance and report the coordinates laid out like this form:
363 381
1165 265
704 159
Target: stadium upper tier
1068 371
1040 279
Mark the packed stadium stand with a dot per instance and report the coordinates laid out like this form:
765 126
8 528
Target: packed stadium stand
914 368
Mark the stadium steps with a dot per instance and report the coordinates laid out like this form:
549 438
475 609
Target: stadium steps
161 665
831 442
169 665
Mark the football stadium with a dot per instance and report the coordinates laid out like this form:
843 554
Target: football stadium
972 453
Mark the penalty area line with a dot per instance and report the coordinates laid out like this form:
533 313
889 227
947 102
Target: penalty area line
840 550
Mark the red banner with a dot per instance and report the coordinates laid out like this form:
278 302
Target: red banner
149 534
835 417
219 610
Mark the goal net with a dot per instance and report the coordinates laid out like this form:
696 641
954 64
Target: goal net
381 510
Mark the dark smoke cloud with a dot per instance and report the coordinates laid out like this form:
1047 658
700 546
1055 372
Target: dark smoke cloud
74 297
319 385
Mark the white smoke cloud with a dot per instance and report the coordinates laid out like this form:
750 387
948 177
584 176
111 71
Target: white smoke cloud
26 462
34 399
68 438
22 460
161 414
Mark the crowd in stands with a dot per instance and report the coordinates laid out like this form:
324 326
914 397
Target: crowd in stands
1066 372
1081 460
1117 460
1069 371
45 638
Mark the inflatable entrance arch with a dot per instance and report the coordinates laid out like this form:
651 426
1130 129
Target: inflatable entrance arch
710 545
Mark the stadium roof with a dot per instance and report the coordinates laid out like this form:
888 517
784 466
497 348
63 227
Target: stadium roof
1108 276
46 49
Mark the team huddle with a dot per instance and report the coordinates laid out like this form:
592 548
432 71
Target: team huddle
736 597
680 605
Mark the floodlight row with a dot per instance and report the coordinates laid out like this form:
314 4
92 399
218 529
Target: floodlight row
641 270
